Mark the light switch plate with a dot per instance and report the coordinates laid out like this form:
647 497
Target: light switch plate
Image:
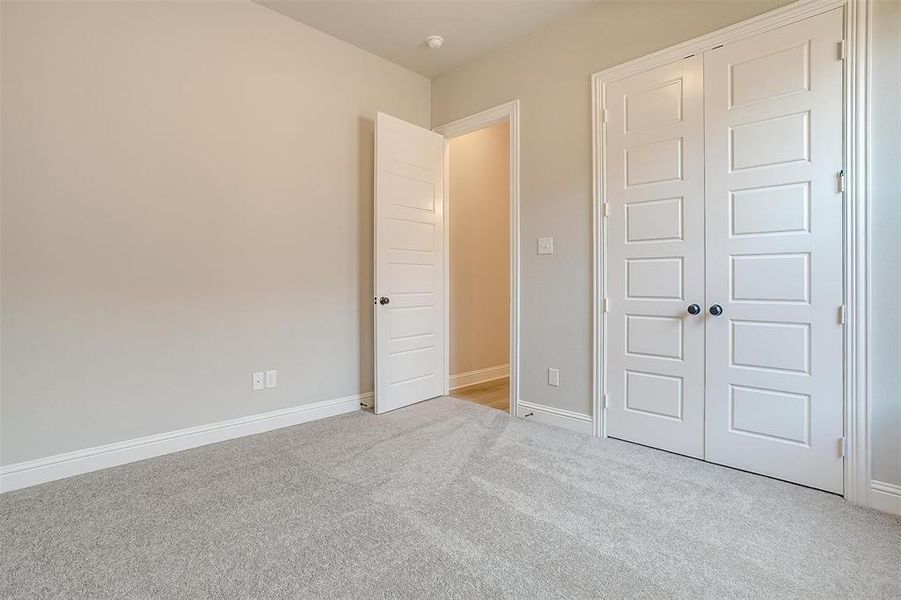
271 379
553 377
545 245
258 380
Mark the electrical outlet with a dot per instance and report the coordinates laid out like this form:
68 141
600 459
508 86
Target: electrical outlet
271 379
553 377
258 379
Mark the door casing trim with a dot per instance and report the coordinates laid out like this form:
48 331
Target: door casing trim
856 245
509 112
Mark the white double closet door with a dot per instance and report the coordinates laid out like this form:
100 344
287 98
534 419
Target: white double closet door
723 191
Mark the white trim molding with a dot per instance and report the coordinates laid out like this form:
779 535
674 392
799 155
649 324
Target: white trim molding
885 497
556 417
791 13
461 380
60 466
508 111
480 120
856 126
858 28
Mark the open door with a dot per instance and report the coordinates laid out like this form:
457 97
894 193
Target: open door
409 264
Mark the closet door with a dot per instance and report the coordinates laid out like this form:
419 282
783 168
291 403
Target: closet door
655 242
774 253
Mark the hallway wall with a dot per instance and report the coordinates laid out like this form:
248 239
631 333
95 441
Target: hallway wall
479 209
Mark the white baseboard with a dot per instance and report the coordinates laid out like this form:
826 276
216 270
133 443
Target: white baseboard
60 466
479 376
555 416
885 497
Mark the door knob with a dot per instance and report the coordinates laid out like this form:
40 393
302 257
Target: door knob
716 310
694 309
384 300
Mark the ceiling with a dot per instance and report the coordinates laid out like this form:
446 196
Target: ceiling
397 29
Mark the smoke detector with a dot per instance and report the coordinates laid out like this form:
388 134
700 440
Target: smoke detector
434 41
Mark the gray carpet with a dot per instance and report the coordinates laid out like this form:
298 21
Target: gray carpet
438 500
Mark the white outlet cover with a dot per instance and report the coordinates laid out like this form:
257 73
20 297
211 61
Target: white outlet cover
258 379
545 245
271 379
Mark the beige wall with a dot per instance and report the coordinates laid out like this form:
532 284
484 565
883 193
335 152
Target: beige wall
886 249
549 72
186 199
479 208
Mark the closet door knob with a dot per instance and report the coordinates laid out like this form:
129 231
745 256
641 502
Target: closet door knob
694 309
716 310
384 300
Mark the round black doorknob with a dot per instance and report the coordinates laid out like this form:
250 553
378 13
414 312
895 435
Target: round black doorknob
383 300
716 310
694 309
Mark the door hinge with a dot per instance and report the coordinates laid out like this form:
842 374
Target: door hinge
842 446
606 305
606 209
605 401
841 314
604 112
841 181
841 50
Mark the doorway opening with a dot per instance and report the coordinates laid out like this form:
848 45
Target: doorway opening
481 229
478 207
479 256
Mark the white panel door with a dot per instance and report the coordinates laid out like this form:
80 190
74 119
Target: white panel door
774 253
655 264
409 262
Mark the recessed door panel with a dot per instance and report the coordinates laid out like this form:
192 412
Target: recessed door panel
771 277
656 106
774 415
771 210
774 252
412 365
413 322
408 191
654 162
770 76
411 235
776 141
409 278
655 240
654 278
655 395
771 346
654 336
654 221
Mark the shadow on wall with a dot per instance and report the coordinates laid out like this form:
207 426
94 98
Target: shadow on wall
365 170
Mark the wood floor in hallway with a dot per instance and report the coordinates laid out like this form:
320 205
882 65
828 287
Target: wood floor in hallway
495 394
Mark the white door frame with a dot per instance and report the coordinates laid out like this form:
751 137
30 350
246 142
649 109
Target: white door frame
858 25
508 112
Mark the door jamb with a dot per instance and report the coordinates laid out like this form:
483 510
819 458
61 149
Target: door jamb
856 245
508 111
